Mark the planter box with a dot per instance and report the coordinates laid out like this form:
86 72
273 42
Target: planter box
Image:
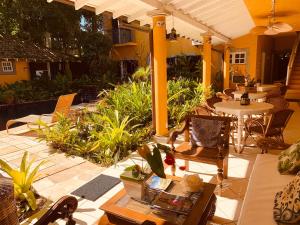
135 187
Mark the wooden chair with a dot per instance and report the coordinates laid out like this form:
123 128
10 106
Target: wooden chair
217 148
62 107
229 92
272 129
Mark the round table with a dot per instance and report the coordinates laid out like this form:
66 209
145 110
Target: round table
267 87
252 95
235 108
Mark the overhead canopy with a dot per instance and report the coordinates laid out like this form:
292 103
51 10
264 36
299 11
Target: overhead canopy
224 19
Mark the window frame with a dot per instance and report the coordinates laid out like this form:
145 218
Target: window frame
5 67
233 58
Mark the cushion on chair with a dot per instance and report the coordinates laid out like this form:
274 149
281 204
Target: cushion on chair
289 160
204 132
287 203
186 150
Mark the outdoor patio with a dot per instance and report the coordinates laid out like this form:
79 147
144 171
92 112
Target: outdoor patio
63 174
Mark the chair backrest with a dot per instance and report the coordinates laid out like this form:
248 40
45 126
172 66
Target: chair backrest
63 106
279 120
211 101
8 208
229 92
202 110
279 103
217 127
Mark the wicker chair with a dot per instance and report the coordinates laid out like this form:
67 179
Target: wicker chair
229 92
63 208
210 103
217 151
279 103
273 129
202 110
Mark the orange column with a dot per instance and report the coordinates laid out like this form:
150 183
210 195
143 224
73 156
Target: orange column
226 65
160 74
206 60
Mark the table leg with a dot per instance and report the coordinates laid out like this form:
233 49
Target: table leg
240 133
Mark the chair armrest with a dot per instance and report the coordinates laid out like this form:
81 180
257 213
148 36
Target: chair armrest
174 134
63 208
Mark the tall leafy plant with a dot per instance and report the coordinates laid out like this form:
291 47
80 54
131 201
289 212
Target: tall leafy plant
23 179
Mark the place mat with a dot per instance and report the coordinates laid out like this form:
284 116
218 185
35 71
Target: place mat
97 187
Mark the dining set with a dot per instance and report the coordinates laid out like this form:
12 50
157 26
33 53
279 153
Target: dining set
266 115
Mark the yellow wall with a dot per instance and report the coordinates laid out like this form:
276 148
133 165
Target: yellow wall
138 50
22 73
249 43
182 46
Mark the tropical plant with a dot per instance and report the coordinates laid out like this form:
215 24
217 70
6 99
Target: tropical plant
153 159
23 179
141 74
61 136
132 99
115 136
186 67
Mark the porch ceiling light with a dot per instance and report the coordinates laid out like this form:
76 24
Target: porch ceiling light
173 34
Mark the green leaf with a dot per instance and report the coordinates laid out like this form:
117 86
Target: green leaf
32 175
30 198
23 163
5 167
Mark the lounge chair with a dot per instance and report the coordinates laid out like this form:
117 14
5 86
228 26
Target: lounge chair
62 107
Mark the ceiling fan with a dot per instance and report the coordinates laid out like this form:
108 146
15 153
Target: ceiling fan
273 27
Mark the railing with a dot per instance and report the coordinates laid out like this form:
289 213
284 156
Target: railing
121 36
292 58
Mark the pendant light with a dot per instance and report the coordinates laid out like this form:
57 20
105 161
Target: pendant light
173 35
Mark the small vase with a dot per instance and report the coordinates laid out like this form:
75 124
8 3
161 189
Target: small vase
134 186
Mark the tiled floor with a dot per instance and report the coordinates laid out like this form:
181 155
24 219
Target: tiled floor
62 174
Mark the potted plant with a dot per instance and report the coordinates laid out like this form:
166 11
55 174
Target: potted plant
134 177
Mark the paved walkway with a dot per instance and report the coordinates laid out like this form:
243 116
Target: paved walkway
62 174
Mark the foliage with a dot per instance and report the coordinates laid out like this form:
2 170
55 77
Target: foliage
132 99
23 179
62 136
122 121
96 48
184 95
217 82
153 159
184 66
42 88
141 74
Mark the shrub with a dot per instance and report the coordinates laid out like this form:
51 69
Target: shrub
123 120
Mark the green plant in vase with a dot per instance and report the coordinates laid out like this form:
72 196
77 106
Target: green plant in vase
134 177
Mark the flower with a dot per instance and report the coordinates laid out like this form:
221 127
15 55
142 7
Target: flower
169 160
182 167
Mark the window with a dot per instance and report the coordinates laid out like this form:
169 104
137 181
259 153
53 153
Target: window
7 66
238 58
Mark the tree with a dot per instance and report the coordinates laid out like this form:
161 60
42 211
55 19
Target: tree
96 49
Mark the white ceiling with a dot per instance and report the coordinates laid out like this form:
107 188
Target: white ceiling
225 19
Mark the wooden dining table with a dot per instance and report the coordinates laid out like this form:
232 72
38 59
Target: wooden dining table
240 111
